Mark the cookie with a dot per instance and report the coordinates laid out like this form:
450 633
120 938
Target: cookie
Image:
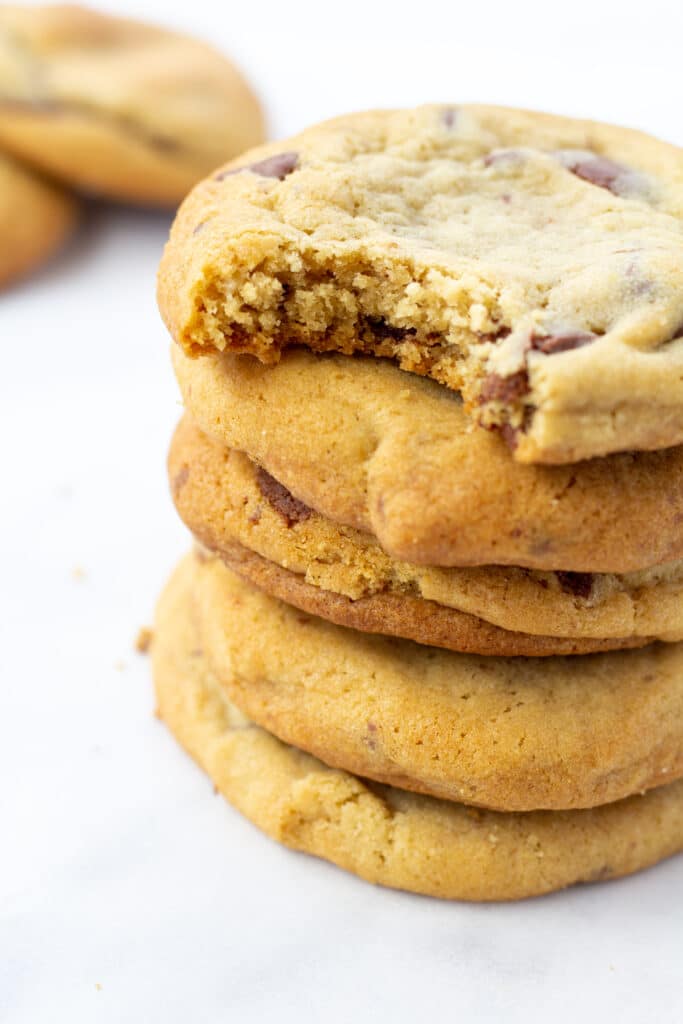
36 218
380 833
391 454
512 734
236 509
530 262
118 108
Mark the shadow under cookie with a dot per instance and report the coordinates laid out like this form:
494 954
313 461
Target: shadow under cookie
381 833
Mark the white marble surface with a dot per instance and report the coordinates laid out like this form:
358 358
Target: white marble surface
128 892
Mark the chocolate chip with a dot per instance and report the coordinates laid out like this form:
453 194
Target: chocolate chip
370 738
504 389
199 227
449 117
383 330
510 435
278 166
598 170
497 335
561 341
164 143
180 479
283 501
579 584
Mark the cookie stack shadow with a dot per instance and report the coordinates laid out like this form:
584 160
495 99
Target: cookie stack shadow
397 645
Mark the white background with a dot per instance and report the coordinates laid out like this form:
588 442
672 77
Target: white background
128 892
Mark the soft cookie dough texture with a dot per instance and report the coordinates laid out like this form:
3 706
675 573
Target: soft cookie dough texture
236 509
36 218
118 108
383 834
531 262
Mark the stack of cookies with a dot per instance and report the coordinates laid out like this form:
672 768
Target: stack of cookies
109 107
432 627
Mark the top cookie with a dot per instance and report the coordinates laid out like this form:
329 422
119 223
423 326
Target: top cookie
119 108
530 261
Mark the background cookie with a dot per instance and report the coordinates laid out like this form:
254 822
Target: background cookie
116 107
514 734
380 833
257 526
36 217
388 453
531 262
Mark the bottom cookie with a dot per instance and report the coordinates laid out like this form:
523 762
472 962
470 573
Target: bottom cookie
383 834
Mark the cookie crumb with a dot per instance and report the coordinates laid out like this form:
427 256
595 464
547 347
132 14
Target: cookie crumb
120 665
143 641
78 573
98 986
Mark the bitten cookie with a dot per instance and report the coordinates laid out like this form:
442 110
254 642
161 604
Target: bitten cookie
386 452
383 834
118 108
514 734
36 218
237 510
531 262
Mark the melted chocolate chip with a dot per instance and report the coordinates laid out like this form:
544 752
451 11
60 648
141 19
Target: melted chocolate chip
498 335
510 435
283 501
278 166
561 341
504 389
579 584
598 170
383 330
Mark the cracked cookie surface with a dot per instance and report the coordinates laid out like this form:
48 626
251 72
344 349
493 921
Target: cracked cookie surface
514 734
237 510
117 107
394 455
383 834
530 262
